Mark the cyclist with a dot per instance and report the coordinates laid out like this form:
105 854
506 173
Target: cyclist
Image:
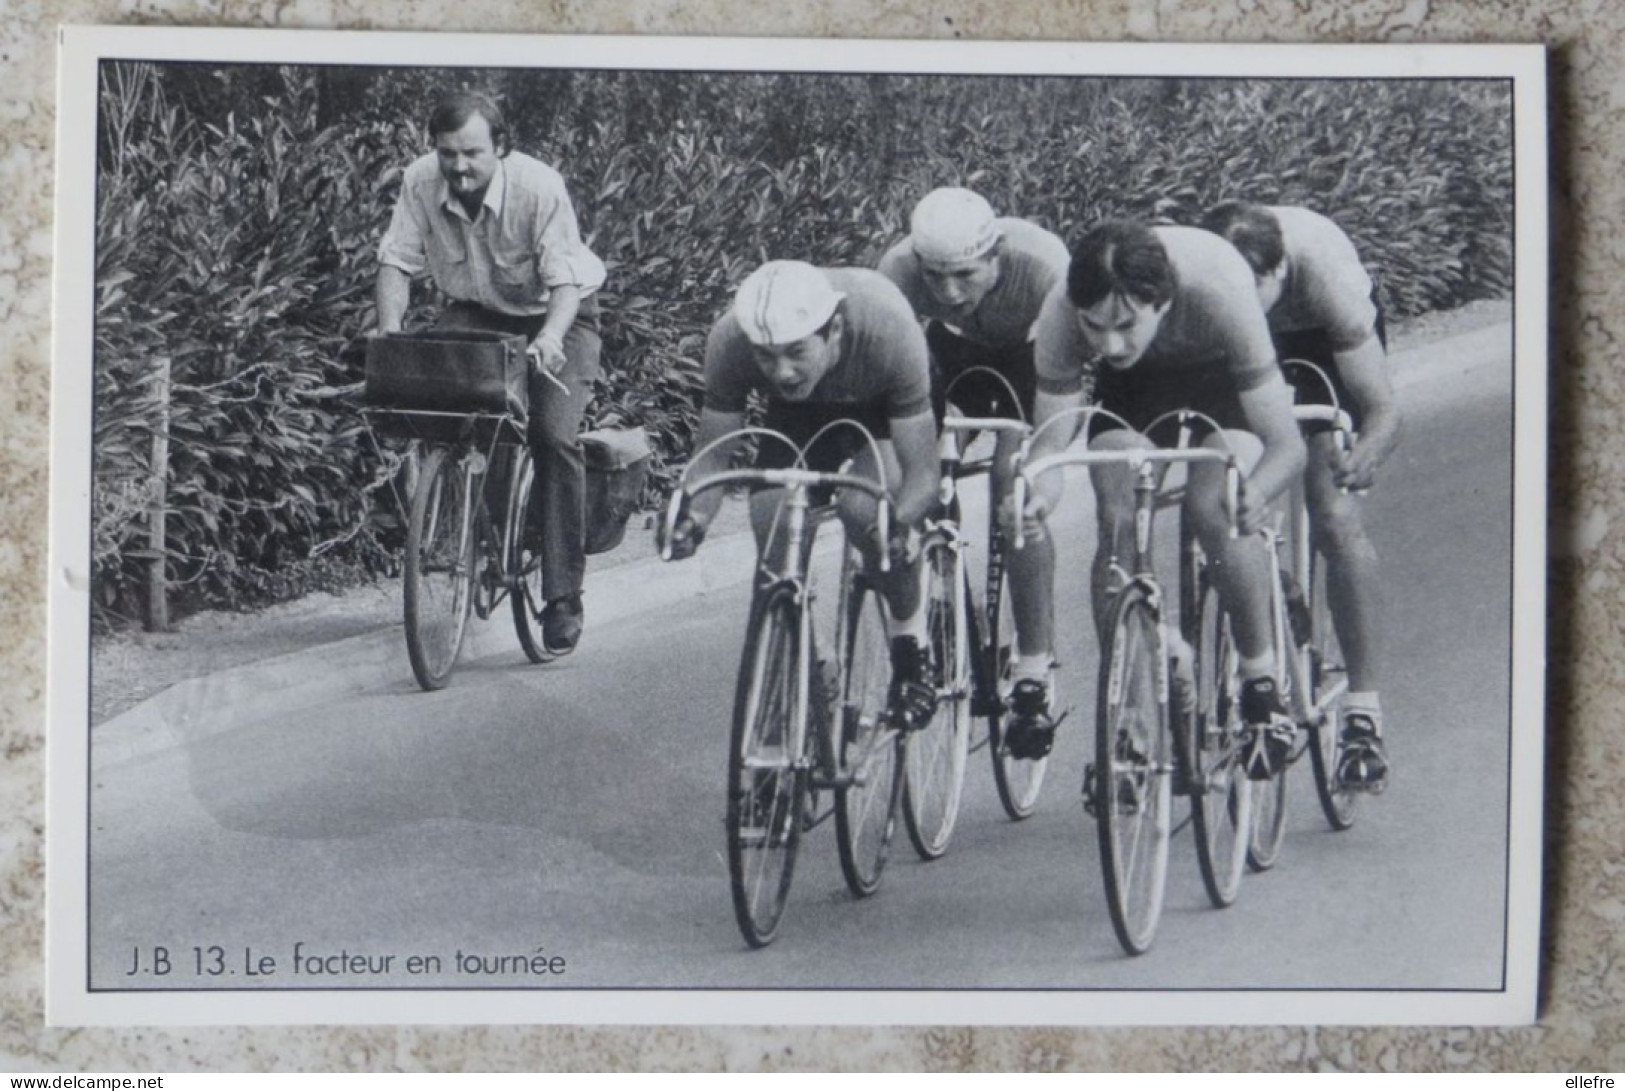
1322 308
496 232
822 345
1164 318
978 281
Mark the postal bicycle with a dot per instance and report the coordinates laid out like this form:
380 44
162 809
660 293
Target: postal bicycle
811 736
467 497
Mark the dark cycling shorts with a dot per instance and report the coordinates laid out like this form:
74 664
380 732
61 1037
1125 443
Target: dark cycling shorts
1315 346
980 395
1141 396
800 422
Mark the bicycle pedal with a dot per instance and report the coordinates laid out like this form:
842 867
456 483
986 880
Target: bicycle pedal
1089 802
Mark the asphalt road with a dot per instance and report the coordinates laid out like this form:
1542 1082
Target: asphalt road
562 825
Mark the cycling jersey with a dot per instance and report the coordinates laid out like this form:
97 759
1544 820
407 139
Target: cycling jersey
1214 321
1326 286
1031 262
882 365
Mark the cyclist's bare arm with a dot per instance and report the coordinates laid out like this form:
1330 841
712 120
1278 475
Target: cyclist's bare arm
1046 491
1268 409
915 441
713 426
1365 372
391 295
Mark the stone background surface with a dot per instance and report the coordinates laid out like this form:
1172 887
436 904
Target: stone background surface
1582 1023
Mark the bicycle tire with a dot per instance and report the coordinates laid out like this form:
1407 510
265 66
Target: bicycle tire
522 564
439 576
1221 794
1328 674
1132 789
767 776
1269 822
1018 780
934 757
865 809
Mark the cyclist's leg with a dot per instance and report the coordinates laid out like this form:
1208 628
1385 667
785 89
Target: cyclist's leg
1241 571
1354 593
558 499
1239 564
913 697
1353 572
1031 568
1114 515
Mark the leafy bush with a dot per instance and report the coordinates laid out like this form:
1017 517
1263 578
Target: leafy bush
240 210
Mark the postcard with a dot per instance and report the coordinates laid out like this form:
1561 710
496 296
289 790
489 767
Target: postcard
1124 605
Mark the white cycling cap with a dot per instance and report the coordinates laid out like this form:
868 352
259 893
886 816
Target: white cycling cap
952 224
784 301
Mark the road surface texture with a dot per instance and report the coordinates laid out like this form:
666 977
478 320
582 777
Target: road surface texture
317 821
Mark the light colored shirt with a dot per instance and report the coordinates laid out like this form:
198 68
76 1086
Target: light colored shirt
523 243
1326 285
1032 262
1214 320
883 357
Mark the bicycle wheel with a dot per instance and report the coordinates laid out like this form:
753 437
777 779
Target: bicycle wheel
1131 792
869 748
766 776
1269 796
1269 823
934 757
1018 780
439 566
1221 795
521 563
1328 675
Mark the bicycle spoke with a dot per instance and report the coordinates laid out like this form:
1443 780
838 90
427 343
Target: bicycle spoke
935 756
438 573
1132 771
1221 805
1018 780
1329 682
868 748
765 784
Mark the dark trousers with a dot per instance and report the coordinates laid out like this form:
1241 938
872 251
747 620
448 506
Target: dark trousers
558 497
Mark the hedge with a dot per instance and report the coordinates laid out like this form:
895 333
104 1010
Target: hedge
239 212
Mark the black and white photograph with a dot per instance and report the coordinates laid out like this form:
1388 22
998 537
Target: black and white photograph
603 530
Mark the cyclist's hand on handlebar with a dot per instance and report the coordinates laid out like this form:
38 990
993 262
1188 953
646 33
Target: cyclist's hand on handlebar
686 537
1252 515
1042 498
902 545
1356 471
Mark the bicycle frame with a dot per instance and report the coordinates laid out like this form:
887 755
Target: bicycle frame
985 619
798 482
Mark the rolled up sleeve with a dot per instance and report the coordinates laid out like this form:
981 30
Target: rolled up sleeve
565 257
403 244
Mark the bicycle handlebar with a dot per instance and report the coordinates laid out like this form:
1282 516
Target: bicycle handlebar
1324 414
796 477
1133 458
983 424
